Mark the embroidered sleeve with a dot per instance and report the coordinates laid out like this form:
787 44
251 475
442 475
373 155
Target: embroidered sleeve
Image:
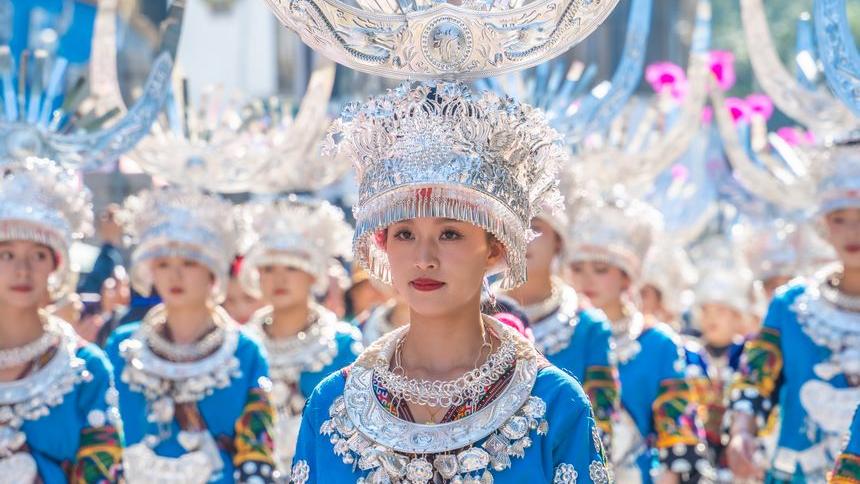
680 441
578 454
99 455
756 385
847 470
253 442
601 386
306 448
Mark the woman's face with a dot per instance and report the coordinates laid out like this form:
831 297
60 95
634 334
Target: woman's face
719 323
843 233
239 304
543 249
438 265
603 284
652 302
24 271
181 282
284 286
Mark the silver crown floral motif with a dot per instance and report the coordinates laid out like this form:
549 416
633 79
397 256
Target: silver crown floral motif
306 234
612 228
432 39
180 222
440 150
45 202
232 144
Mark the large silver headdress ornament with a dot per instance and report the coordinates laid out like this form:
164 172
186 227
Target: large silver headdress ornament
45 202
49 115
438 40
612 227
184 223
668 268
231 144
724 276
440 150
300 233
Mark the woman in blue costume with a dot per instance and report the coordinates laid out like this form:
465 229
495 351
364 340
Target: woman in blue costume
193 389
722 301
806 357
655 437
295 241
571 337
847 469
58 416
455 396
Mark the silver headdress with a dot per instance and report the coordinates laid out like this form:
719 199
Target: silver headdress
612 228
54 116
440 150
45 202
184 223
305 234
668 268
231 144
723 274
773 250
430 40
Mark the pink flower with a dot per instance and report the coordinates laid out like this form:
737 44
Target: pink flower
707 114
666 77
723 68
795 136
739 110
760 104
679 172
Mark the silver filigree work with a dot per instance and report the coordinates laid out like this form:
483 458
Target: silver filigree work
440 150
366 435
439 40
554 331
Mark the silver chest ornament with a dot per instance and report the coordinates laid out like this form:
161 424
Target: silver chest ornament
33 397
467 450
165 383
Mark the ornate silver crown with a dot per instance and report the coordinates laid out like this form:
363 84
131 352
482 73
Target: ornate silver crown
440 150
612 228
668 268
49 118
179 222
724 276
230 144
45 202
428 39
301 233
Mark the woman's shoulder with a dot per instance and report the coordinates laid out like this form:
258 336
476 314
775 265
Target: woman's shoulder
556 385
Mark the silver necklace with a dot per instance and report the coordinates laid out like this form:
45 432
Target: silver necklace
15 357
625 337
830 290
541 309
157 318
445 394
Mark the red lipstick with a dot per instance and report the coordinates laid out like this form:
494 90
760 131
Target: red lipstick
177 290
426 285
852 248
22 288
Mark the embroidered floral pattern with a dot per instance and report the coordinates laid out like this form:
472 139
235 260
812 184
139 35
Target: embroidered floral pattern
253 439
760 367
601 386
300 473
99 457
565 474
598 472
847 469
